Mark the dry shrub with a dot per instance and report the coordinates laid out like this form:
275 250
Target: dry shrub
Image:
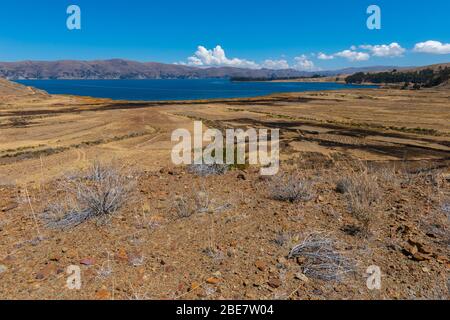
362 191
320 259
196 202
97 193
204 170
291 188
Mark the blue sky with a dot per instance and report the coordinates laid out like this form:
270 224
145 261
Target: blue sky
290 32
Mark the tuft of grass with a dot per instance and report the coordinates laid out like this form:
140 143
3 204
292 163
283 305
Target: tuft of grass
196 202
320 259
97 193
291 188
362 192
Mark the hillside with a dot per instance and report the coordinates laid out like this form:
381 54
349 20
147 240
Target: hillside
126 69
428 76
10 89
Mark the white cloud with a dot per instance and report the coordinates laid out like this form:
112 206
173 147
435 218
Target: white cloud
275 64
432 46
323 56
383 50
217 58
353 55
303 64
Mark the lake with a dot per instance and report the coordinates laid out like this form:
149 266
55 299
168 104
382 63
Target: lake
177 89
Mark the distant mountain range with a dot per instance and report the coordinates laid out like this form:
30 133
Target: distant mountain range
125 69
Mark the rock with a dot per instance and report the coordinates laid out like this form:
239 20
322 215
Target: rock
261 265
102 294
169 269
426 270
3 268
87 262
54 257
122 255
213 280
274 283
420 257
282 260
420 246
194 286
46 272
241 176
301 276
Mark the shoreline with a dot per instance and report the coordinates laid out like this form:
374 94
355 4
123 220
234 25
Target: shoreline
202 100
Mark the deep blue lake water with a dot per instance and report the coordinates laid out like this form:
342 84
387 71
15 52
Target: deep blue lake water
180 89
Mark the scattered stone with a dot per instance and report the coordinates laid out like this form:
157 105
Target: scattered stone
54 257
87 262
46 272
241 176
213 280
122 255
194 286
261 265
274 283
282 260
102 294
301 276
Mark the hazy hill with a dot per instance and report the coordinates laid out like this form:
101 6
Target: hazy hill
125 69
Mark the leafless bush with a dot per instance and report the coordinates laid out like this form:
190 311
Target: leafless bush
445 207
320 259
208 169
97 193
388 174
196 202
292 188
362 192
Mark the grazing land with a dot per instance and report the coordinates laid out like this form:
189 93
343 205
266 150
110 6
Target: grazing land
365 180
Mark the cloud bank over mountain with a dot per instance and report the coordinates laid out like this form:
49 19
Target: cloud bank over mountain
217 57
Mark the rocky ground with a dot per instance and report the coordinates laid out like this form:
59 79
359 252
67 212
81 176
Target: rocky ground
363 183
236 243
